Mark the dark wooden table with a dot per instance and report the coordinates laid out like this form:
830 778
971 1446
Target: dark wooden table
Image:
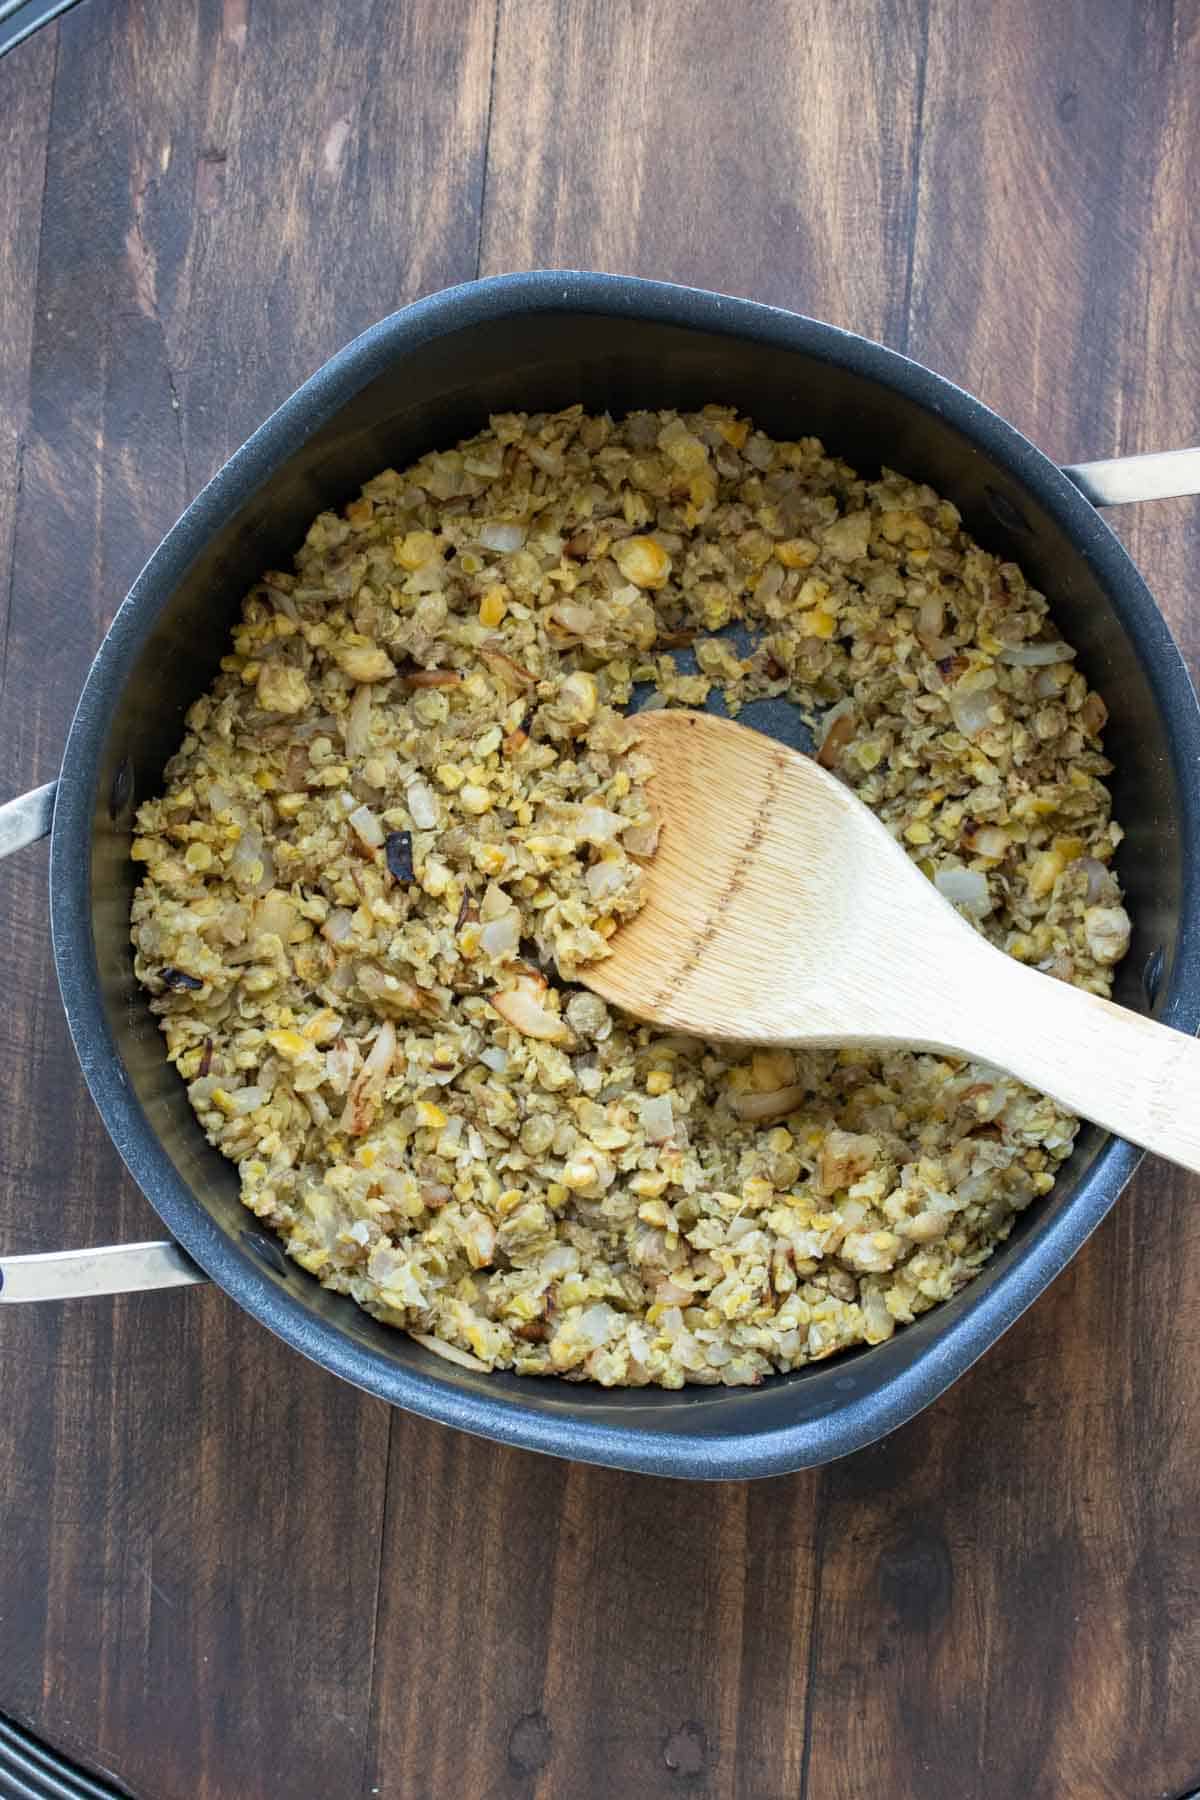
224 1575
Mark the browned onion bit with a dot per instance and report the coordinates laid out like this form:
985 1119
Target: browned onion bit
835 741
399 848
177 980
431 678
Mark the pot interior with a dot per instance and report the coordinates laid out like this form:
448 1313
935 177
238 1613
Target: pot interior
424 388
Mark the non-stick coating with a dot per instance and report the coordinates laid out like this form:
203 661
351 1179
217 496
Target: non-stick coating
423 378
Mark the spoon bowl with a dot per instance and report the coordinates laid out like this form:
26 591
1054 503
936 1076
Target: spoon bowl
780 910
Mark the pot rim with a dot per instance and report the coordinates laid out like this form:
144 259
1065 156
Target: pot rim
499 1415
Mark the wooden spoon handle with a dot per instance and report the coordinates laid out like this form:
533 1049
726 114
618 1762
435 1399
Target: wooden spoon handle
1137 1078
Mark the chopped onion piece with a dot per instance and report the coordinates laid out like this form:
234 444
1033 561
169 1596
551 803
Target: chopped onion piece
570 617
964 887
988 840
422 804
275 913
641 840
318 1111
1098 879
267 879
380 1060
931 619
776 1105
368 1083
1035 656
1107 931
248 1100
338 926
479 1239
550 461
970 711
560 1259
837 728
669 1293
449 1352
430 578
604 879
502 936
432 678
392 990
658 1119
769 583
502 537
502 665
598 1324
599 825
985 1100
878 1321
521 1008
367 827
495 902
248 851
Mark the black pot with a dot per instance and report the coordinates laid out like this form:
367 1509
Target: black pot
427 376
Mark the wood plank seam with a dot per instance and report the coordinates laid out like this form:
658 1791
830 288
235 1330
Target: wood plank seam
19 472
814 1629
914 182
369 1748
487 137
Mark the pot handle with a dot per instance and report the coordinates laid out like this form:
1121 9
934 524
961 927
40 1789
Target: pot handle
26 819
1161 475
111 1268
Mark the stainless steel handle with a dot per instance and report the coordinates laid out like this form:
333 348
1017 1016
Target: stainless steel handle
109 1269
1162 475
20 18
26 819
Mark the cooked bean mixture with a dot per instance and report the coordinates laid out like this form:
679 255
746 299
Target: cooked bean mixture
412 805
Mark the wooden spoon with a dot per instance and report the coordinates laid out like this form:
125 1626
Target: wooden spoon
781 911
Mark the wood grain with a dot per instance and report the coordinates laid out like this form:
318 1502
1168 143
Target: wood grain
1013 1609
24 120
764 149
596 1623
194 1609
224 1575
